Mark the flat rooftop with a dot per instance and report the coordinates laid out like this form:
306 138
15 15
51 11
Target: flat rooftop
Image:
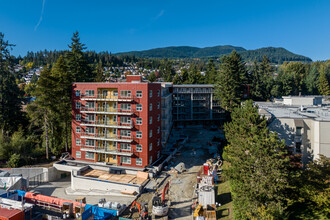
122 178
281 111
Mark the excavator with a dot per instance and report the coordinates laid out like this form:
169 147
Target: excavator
142 212
160 205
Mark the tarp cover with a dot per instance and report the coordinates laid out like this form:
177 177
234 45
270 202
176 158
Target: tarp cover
20 193
101 213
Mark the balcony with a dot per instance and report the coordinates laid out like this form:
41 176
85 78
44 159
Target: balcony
107 124
106 137
100 97
107 150
110 111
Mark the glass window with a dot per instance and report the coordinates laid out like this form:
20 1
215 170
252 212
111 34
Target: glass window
78 142
78 105
150 107
90 130
90 143
150 93
125 133
158 142
114 131
150 120
158 154
139 148
126 160
125 146
114 144
139 134
125 93
138 107
78 117
125 120
150 160
158 117
115 93
158 130
78 129
78 154
158 93
158 105
114 157
125 106
90 93
150 133
90 105
139 94
89 155
150 147
77 92
139 161
114 105
90 117
139 121
298 131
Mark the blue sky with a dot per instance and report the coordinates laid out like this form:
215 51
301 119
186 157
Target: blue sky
300 26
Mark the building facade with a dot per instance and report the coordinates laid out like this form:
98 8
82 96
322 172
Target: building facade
117 123
195 104
166 115
303 123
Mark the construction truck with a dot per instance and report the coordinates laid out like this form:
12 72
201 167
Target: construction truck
143 211
161 204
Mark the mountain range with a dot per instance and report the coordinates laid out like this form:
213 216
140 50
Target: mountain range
276 55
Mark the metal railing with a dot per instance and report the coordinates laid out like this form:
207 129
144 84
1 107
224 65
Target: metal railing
107 110
36 180
108 97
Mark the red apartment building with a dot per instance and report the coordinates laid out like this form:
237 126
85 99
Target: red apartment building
117 123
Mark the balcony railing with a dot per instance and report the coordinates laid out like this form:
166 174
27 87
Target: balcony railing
108 150
111 137
107 98
107 110
108 123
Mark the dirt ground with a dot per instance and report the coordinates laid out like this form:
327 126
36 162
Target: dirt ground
182 189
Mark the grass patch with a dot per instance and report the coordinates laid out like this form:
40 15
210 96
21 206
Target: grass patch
225 211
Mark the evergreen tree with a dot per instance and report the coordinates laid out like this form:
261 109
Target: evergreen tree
312 81
211 72
77 63
152 77
229 83
99 72
324 85
258 171
10 103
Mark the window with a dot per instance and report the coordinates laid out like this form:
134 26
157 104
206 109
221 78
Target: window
115 93
90 117
150 120
114 157
158 142
125 133
114 105
78 142
150 107
125 146
89 155
78 154
158 105
78 117
126 160
139 148
114 144
90 143
90 105
158 130
90 130
158 93
114 131
298 147
125 120
77 92
90 93
298 131
78 129
150 160
139 134
125 106
139 94
150 93
114 118
158 154
125 93
150 133
138 107
150 147
78 105
139 161
139 121
158 117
